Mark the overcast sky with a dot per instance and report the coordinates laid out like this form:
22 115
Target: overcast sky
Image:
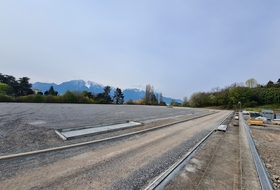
179 47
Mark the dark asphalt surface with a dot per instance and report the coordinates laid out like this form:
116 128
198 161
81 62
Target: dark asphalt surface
58 116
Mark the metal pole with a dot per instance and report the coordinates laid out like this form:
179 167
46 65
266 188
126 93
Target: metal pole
239 106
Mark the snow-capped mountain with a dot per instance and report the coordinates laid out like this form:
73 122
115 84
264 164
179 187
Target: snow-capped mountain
80 85
72 85
133 94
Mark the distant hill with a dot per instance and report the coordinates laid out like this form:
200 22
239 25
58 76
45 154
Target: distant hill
80 85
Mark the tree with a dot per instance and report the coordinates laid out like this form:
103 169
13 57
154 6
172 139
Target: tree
106 94
174 103
161 102
11 82
278 83
4 88
100 99
7 79
251 83
51 91
215 89
185 101
24 87
270 84
196 99
154 100
118 96
160 98
150 97
87 94
148 94
69 97
240 94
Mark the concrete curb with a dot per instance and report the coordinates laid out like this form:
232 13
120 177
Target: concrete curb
249 176
163 179
263 176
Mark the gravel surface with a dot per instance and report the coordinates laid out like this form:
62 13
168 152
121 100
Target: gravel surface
267 141
59 116
28 127
158 165
126 163
109 165
216 164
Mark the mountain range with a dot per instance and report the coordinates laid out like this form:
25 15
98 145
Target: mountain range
81 85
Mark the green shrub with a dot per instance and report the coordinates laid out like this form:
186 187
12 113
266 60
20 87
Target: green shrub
28 98
101 101
58 99
130 102
49 99
5 98
38 98
69 97
162 104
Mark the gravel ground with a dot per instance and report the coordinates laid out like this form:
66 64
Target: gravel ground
216 165
158 165
27 127
267 141
127 163
59 116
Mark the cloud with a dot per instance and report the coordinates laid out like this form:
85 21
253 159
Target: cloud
179 47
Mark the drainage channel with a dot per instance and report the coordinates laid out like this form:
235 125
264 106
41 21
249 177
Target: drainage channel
264 178
163 180
32 153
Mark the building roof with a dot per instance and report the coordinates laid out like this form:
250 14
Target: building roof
267 111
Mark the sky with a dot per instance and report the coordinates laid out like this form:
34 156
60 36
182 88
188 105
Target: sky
180 47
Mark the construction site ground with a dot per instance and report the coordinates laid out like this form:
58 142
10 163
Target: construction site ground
225 160
267 141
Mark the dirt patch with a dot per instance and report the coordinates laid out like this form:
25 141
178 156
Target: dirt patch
267 141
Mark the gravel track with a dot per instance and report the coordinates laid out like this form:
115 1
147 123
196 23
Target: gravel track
127 163
158 165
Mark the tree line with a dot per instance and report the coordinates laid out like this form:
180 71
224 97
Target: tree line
12 87
153 98
12 90
249 95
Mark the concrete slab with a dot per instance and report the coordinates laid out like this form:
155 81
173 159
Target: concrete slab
222 128
66 134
